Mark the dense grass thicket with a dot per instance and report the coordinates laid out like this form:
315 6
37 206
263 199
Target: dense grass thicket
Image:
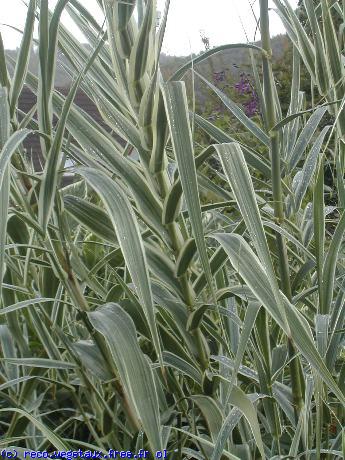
186 293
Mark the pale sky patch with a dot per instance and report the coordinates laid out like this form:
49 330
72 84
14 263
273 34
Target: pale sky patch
223 21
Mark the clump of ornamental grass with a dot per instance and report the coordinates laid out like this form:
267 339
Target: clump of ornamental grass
135 317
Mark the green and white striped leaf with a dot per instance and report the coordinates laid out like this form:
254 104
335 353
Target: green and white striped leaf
134 369
24 304
9 149
51 170
207 54
138 62
5 186
92 358
239 399
309 168
330 265
23 58
91 216
4 75
41 362
250 269
177 112
237 173
305 137
52 437
127 230
211 412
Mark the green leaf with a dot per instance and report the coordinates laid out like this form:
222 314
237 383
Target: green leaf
23 57
248 324
24 304
110 10
41 362
321 67
177 112
196 317
297 34
236 171
6 153
9 149
217 260
127 230
204 442
203 56
53 42
44 109
134 370
51 169
160 131
330 265
121 124
52 437
331 43
5 122
309 168
305 137
4 76
240 400
138 62
172 202
185 256
319 228
91 216
4 202
212 413
241 255
92 359
302 426
249 268
162 267
5 186
180 364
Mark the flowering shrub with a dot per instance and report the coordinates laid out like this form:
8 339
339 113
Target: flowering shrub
245 87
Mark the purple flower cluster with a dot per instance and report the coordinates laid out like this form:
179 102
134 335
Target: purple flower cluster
244 87
219 77
251 107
